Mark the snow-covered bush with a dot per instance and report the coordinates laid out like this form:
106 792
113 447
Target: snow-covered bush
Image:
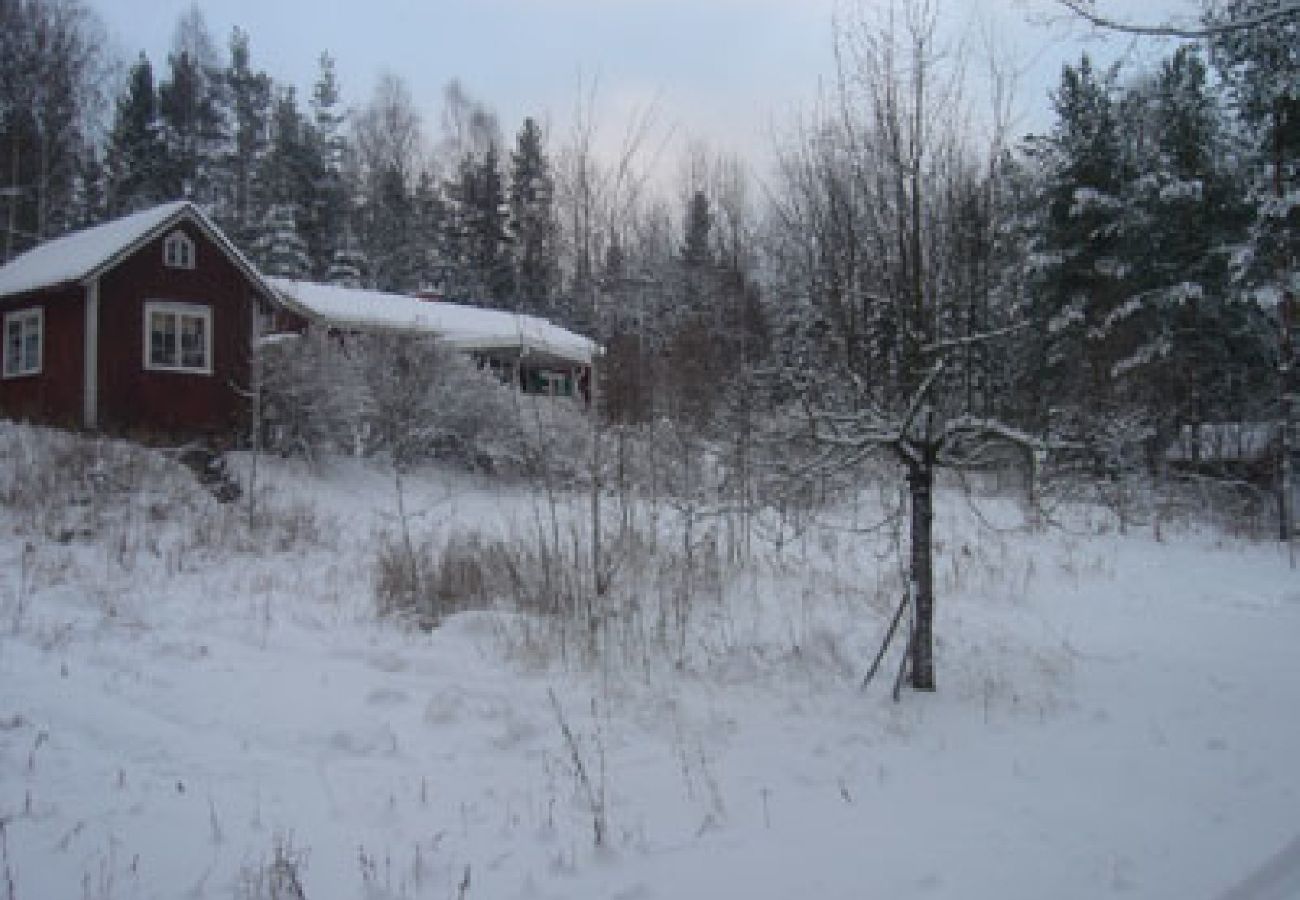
312 394
63 487
410 398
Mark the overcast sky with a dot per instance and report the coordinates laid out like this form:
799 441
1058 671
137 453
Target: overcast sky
724 71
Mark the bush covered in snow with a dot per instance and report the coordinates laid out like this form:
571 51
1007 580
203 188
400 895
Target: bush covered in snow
409 398
60 487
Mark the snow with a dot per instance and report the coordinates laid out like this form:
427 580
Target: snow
1087 200
75 256
1115 717
465 327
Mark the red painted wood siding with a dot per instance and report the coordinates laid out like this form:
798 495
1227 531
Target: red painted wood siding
54 395
174 405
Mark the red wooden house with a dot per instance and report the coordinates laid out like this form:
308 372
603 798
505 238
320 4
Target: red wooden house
142 326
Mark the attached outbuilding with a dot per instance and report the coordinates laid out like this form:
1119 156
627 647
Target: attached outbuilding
533 353
142 326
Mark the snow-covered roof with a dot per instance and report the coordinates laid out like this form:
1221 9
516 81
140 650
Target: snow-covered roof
79 256
461 326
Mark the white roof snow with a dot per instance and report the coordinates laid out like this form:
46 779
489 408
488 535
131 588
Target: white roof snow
75 256
464 327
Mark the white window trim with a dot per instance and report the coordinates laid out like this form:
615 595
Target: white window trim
185 259
36 313
178 309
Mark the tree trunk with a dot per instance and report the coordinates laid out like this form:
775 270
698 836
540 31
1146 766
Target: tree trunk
920 480
1286 398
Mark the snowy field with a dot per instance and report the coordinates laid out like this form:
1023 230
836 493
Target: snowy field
181 700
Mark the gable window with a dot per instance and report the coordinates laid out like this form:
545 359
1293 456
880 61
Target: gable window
178 251
24 335
178 337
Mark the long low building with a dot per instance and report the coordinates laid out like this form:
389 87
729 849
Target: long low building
541 356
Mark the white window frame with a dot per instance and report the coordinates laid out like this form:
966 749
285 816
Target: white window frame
25 318
179 311
178 251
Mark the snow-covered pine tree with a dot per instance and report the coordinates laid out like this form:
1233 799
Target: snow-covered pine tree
89 199
484 229
390 148
190 108
280 249
326 214
1262 71
1079 283
248 94
286 175
1188 351
135 151
428 236
532 222
349 265
390 221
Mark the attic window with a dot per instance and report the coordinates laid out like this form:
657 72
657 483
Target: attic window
178 251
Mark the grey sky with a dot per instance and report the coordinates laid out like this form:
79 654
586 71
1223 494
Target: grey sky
719 70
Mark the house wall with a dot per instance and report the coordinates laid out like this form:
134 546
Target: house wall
53 396
155 405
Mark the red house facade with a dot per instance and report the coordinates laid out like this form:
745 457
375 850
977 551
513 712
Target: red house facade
143 327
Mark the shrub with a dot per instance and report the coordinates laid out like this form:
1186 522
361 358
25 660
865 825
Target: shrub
407 396
423 583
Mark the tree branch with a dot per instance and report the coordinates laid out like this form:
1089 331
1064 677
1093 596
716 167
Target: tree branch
1086 10
918 399
972 339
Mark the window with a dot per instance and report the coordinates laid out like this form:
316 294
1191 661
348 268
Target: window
178 251
178 337
23 338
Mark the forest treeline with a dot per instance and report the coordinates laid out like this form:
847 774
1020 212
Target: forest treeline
1114 279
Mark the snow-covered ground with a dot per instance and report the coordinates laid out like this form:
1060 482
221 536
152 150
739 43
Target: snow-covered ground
1117 715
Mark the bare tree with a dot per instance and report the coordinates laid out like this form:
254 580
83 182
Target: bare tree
865 214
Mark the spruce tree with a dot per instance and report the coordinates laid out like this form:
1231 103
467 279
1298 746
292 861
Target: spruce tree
1188 350
327 213
190 108
1078 285
280 249
482 228
348 266
532 222
390 216
135 150
286 172
248 93
1261 70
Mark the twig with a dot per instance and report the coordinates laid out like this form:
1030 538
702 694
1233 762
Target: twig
595 799
902 667
889 637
